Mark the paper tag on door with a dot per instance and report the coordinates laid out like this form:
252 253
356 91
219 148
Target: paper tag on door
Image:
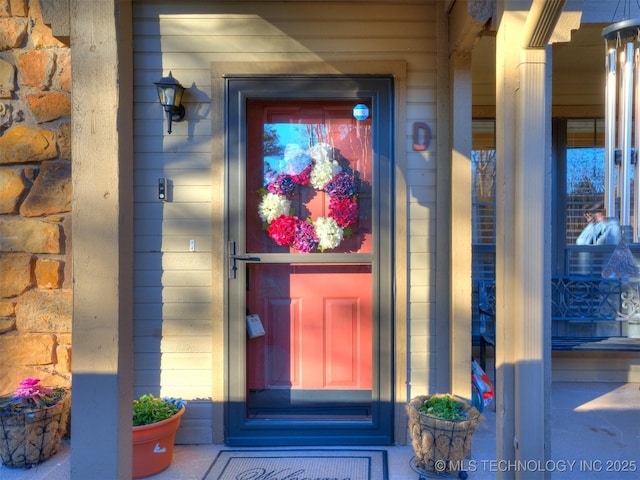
254 326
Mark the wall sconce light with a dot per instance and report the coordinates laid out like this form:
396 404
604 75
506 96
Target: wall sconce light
170 94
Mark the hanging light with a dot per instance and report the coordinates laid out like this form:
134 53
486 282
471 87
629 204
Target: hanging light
622 106
170 94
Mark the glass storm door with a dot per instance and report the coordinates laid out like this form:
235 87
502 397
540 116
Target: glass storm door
310 261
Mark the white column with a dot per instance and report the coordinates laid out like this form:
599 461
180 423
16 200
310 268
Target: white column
532 260
506 61
523 238
102 150
460 313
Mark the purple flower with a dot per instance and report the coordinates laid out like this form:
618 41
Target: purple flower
305 238
282 185
341 186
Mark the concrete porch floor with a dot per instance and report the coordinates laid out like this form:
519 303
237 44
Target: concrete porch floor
595 435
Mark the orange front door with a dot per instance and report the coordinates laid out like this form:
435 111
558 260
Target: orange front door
306 254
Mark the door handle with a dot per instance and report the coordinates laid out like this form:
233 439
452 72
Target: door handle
234 257
246 258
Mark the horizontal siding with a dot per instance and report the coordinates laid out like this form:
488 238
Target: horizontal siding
170 327
281 44
196 361
172 261
275 11
175 344
173 307
234 26
186 64
173 278
192 429
157 163
166 314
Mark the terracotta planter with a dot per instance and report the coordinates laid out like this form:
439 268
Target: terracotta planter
153 446
27 439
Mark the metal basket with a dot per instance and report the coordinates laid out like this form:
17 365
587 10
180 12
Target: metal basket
30 437
441 445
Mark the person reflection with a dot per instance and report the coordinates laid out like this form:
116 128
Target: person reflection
607 230
588 234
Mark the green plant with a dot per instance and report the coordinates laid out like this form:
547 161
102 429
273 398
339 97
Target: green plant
30 396
149 409
445 407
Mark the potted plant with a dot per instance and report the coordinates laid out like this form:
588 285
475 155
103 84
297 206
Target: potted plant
32 421
441 428
155 422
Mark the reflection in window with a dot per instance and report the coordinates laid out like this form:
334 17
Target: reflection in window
483 218
483 165
585 172
286 148
313 190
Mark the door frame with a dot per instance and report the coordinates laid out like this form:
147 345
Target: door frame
396 344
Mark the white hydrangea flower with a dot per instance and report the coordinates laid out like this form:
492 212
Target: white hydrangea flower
323 172
272 206
328 232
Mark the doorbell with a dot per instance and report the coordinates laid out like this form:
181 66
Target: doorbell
163 189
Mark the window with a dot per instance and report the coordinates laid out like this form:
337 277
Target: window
483 198
483 169
585 172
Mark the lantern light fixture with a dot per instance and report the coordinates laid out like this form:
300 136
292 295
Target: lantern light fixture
170 95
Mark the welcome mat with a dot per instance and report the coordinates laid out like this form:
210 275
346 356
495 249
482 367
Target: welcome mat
299 465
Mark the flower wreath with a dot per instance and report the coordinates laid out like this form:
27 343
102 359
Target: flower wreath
324 174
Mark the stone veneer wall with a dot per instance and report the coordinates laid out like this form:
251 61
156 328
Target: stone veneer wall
35 199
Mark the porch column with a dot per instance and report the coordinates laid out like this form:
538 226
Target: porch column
102 151
523 242
460 313
533 260
466 19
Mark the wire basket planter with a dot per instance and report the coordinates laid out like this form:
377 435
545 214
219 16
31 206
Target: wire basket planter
32 436
441 445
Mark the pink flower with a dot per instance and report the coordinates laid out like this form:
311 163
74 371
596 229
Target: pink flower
343 211
29 382
29 388
283 229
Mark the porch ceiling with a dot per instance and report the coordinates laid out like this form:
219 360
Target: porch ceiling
577 69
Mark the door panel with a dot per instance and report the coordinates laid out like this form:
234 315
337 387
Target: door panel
312 341
321 373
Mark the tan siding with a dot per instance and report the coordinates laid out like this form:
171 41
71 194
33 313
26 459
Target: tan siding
172 278
170 326
205 33
238 26
159 261
199 361
174 344
192 428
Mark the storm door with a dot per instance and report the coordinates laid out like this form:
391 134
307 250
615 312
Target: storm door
309 260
